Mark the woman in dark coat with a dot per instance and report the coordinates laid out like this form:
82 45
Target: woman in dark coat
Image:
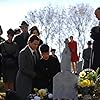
9 51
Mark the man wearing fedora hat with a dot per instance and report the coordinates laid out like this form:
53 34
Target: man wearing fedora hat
87 54
21 39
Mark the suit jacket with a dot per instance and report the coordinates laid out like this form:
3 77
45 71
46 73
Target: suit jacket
87 54
26 73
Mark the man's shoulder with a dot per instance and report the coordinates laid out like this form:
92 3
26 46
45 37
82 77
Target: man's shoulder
24 50
84 50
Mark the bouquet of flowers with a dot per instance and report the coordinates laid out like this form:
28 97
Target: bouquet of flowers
97 89
40 94
86 81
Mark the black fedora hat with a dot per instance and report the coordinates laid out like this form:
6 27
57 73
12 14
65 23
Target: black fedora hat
11 32
24 24
53 50
89 43
34 28
66 40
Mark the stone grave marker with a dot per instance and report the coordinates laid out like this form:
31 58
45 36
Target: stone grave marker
64 82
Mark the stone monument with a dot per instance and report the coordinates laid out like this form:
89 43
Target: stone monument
64 82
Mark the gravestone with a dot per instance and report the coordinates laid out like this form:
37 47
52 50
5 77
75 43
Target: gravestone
64 82
79 66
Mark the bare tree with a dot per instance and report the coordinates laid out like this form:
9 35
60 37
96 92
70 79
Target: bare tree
44 17
79 22
58 23
51 20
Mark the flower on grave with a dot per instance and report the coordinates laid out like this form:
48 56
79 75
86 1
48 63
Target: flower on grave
97 89
42 94
86 81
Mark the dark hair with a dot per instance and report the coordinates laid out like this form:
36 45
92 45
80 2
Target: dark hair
24 24
71 36
1 30
17 30
89 43
66 40
53 50
44 48
10 32
34 28
98 8
33 37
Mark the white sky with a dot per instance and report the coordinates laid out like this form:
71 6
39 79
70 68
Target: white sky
12 12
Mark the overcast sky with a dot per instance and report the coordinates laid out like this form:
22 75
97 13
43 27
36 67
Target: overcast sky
12 12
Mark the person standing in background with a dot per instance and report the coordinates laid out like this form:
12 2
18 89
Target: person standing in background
95 35
74 57
53 53
9 51
17 31
34 30
22 38
1 40
87 54
1 32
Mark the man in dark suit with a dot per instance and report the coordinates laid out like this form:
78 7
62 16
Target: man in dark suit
26 73
95 35
21 39
87 54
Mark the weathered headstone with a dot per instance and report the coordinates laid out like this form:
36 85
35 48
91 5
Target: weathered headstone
79 66
64 82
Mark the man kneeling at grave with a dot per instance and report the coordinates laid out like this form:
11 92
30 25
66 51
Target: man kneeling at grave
46 69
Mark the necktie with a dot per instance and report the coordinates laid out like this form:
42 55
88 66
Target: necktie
34 57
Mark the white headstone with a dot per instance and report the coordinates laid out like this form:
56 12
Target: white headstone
64 82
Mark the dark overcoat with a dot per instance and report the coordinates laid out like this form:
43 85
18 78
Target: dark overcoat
26 73
87 54
46 70
9 60
95 35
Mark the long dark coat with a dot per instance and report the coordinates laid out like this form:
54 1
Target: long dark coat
46 70
87 54
95 35
9 53
1 40
26 73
